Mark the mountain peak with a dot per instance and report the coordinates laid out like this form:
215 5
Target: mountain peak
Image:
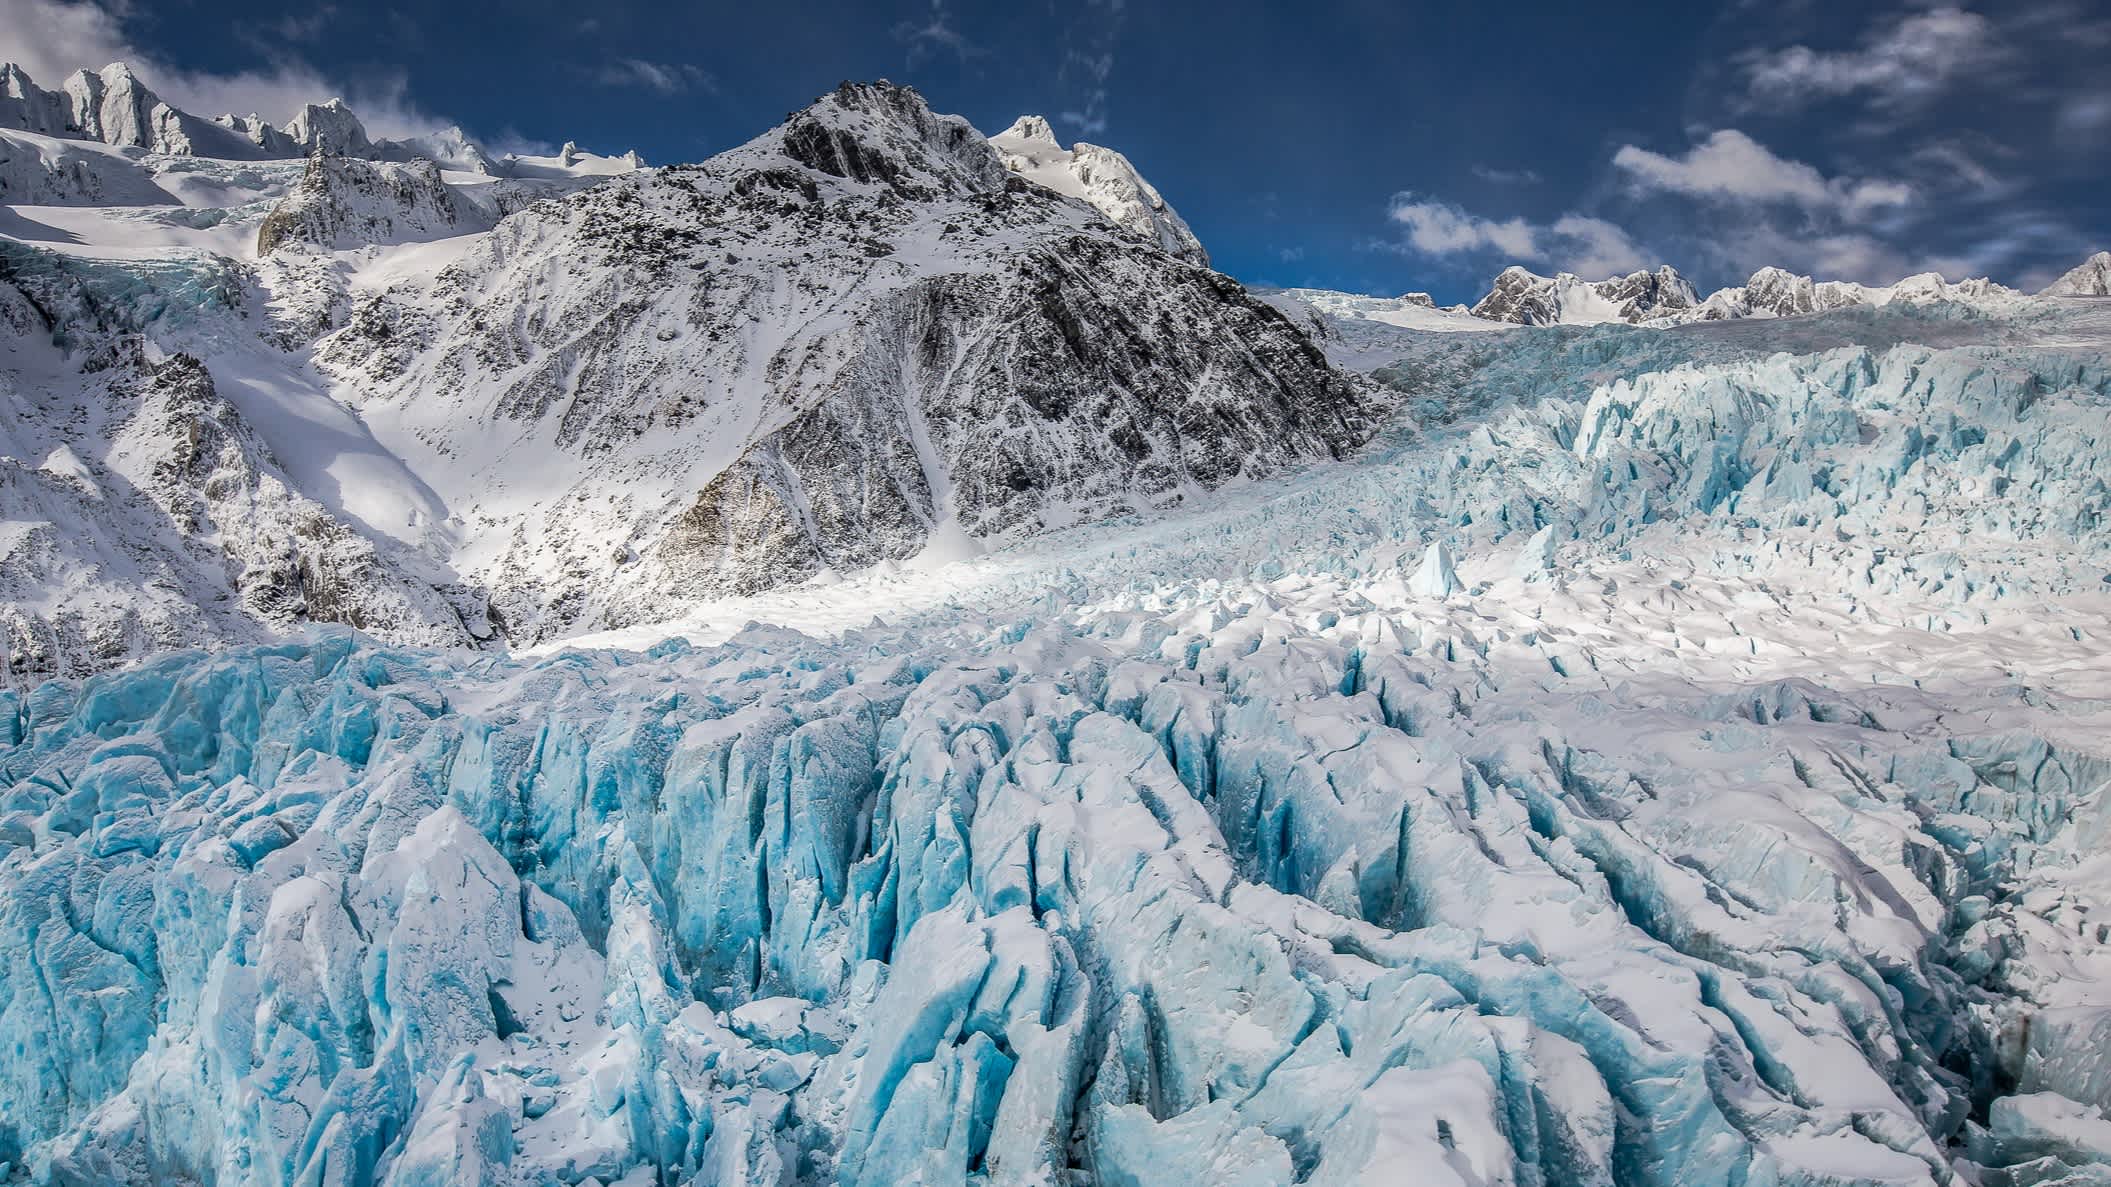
1032 129
329 127
1101 178
2090 278
1527 298
883 133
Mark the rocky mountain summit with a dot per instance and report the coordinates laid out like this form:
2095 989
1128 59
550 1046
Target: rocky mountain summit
1528 299
112 106
2090 278
818 351
1777 292
583 395
1100 177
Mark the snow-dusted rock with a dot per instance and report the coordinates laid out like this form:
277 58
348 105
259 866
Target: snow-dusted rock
1100 177
2090 278
1526 299
114 107
328 129
1777 292
343 201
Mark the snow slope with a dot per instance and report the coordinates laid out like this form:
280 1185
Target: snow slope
1101 178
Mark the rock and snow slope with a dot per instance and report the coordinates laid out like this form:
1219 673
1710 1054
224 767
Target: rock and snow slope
855 340
1662 298
1526 299
1100 177
2092 278
818 351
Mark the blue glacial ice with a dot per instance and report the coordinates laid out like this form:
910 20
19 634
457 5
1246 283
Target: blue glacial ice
1531 825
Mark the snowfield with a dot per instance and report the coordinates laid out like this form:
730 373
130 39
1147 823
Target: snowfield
1611 754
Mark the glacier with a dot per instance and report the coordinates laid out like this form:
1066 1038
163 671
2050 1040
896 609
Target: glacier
1673 774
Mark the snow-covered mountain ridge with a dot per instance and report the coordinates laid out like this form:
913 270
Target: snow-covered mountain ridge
1099 176
114 108
1663 298
572 399
818 352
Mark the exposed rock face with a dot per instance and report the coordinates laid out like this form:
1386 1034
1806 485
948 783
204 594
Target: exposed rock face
1099 176
1528 299
813 351
29 107
159 519
2091 278
287 558
328 128
1640 296
347 202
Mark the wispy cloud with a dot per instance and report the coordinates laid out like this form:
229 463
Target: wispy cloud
1913 57
1506 176
1088 62
1732 166
665 78
1090 119
306 26
935 34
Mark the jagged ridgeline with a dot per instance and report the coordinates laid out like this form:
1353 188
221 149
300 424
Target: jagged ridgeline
579 394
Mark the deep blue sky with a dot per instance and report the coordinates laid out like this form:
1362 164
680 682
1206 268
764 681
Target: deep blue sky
1361 145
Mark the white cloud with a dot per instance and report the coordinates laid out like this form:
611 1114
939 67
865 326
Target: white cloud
1440 229
1730 165
51 39
1589 247
666 78
1593 247
1845 255
1911 59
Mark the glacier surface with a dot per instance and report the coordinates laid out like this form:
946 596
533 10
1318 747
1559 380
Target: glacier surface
1684 768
